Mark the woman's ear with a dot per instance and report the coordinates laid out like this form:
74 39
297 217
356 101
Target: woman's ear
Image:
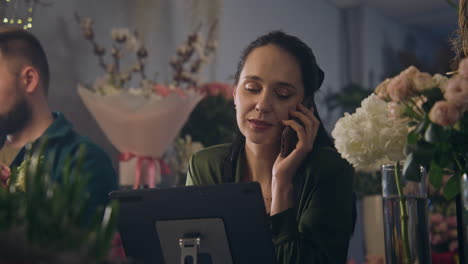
29 79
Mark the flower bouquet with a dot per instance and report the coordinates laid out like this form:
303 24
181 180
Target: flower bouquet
415 117
142 118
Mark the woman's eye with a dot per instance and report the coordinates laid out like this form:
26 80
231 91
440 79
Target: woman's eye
283 93
251 87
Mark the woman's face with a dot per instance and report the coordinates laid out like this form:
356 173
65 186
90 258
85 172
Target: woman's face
269 86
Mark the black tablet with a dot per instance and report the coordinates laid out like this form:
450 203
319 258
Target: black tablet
223 223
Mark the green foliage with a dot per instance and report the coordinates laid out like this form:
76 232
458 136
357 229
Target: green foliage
212 122
440 150
347 99
48 218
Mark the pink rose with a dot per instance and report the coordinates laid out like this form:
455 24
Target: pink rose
453 246
457 91
382 89
463 68
436 239
179 91
444 113
217 88
452 221
410 72
400 88
162 90
435 219
423 81
5 174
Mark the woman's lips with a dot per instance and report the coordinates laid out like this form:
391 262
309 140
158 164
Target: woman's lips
259 124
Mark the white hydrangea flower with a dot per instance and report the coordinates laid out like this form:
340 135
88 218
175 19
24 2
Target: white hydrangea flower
369 137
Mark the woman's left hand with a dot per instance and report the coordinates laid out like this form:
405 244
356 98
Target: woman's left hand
285 168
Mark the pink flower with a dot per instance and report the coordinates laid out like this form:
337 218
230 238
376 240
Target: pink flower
162 90
463 67
382 89
453 246
452 221
436 239
457 91
423 81
444 113
400 88
217 88
117 250
5 174
179 91
410 72
436 219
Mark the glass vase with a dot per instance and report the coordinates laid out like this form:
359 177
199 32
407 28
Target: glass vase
405 217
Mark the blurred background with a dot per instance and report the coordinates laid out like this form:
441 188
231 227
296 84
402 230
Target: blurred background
358 43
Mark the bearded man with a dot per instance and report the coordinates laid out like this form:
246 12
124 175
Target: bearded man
26 118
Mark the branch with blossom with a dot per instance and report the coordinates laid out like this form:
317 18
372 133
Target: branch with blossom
187 63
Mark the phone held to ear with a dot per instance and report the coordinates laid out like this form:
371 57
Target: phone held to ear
289 137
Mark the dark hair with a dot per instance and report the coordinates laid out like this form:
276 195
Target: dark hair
16 43
312 75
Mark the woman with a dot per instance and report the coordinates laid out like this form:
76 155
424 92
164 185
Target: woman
308 194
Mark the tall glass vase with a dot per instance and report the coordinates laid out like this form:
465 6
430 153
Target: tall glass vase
405 217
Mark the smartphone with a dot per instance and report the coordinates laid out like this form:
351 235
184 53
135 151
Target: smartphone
289 136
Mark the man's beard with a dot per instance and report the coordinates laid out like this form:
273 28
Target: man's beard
16 119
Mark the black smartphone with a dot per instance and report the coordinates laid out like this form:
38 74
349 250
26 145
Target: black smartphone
289 136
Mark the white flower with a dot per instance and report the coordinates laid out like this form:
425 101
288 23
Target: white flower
133 44
440 81
369 138
120 34
104 86
424 81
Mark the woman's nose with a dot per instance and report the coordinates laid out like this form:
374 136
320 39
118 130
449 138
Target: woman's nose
264 103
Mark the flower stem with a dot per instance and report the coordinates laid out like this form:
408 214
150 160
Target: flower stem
403 216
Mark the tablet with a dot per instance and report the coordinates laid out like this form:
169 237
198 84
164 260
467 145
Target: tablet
223 223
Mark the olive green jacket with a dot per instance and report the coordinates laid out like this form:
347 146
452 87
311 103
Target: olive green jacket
319 228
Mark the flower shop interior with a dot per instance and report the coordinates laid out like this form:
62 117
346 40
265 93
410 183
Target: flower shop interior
357 43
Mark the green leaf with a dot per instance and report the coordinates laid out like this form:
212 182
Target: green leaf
452 187
435 175
422 152
412 138
411 170
422 125
434 133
